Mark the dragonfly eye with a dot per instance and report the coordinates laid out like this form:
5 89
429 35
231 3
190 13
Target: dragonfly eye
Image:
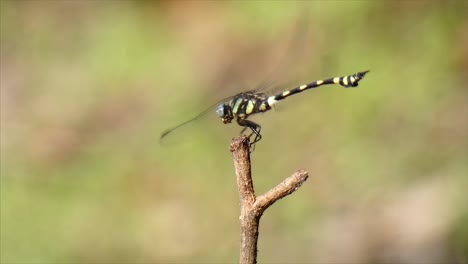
220 110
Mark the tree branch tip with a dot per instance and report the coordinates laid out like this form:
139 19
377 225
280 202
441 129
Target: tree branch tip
298 178
238 142
302 174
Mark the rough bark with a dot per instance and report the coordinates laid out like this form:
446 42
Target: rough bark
252 207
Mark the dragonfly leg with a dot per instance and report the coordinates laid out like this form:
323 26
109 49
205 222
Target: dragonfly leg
256 128
243 130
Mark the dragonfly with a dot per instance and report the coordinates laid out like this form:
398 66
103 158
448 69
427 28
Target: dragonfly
242 105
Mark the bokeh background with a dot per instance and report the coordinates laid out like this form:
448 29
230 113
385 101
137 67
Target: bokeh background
87 88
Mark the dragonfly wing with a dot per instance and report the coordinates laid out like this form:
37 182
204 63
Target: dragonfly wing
200 115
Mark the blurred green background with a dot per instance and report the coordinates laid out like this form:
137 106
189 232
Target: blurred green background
87 87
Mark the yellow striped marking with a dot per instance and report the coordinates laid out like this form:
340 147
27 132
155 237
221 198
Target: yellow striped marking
262 107
345 80
302 87
285 93
236 105
319 82
336 80
352 79
249 108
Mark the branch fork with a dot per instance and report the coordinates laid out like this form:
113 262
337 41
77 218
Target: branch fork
253 207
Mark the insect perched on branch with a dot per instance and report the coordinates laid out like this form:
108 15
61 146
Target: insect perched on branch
240 106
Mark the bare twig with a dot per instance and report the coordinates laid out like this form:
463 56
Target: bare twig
252 207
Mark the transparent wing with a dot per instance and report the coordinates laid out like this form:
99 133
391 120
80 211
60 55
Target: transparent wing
294 46
166 132
290 56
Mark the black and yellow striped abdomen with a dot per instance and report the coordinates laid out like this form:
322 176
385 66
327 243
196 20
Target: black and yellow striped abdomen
345 81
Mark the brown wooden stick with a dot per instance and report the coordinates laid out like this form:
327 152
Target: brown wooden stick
252 207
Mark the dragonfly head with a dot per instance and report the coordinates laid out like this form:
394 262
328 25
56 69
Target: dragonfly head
224 112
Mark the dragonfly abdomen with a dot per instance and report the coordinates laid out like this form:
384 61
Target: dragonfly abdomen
345 81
